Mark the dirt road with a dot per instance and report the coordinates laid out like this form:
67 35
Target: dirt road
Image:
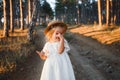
96 61
91 61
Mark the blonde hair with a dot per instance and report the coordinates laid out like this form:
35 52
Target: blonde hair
49 34
54 24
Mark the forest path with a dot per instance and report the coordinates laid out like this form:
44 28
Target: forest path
94 61
83 69
87 57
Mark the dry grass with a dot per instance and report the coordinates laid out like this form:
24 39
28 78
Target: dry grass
103 35
13 50
17 32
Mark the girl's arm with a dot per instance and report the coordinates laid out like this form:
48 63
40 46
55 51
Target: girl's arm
42 55
61 46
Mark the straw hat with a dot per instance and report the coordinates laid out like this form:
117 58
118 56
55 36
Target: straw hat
53 24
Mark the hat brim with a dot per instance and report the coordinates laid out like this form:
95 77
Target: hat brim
53 24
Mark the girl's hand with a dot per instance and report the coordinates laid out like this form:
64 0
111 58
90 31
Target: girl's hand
61 45
42 55
46 52
60 36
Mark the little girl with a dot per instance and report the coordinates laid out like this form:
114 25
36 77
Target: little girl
57 64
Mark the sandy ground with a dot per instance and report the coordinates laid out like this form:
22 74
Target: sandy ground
97 61
91 61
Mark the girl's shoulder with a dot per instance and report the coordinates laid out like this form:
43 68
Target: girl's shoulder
46 44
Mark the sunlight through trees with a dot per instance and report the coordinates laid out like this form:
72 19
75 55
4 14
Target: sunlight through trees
18 14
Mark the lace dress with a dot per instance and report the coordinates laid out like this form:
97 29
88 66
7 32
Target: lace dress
57 66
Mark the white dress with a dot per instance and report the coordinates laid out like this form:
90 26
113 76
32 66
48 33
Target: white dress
57 66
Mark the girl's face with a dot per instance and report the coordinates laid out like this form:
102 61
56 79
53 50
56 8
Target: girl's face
58 31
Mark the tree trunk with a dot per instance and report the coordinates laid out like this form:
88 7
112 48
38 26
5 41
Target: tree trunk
5 34
111 12
29 11
11 16
21 16
99 13
78 14
33 21
107 12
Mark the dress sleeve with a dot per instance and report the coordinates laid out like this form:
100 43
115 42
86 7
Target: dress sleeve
45 48
67 48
